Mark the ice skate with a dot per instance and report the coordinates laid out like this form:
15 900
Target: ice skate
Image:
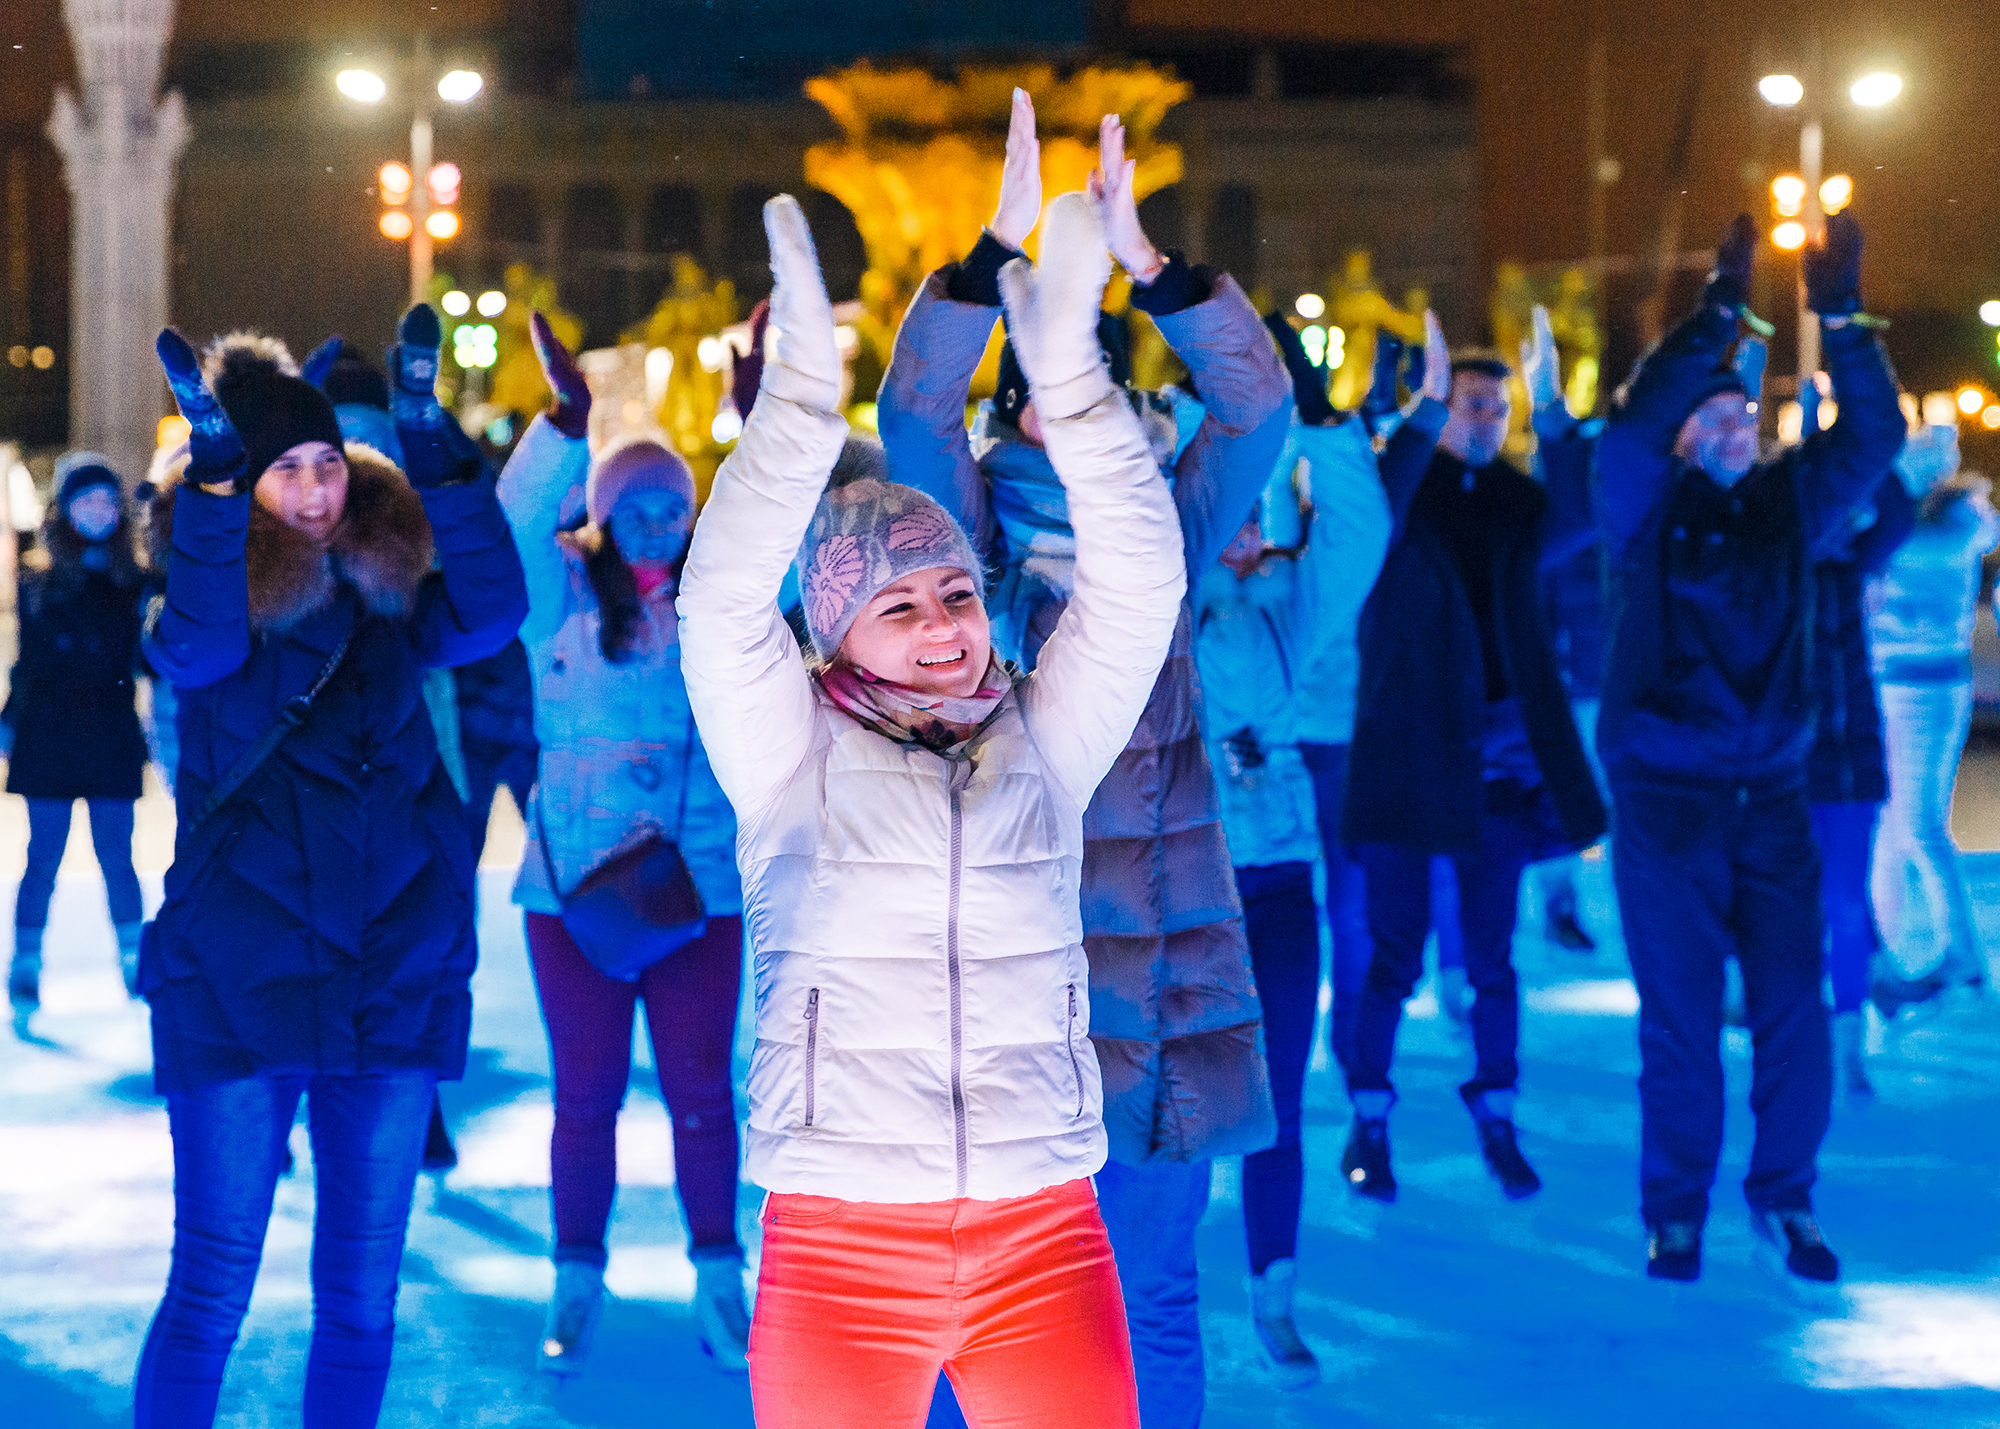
1793 1249
1560 925
24 975
573 1315
1850 1037
439 1154
719 1308
128 954
1293 1364
1493 1113
1365 1163
1673 1250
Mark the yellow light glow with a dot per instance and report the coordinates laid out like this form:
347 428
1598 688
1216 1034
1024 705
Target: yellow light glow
1970 400
1310 306
1782 90
442 223
1788 194
1989 312
492 303
43 357
172 431
1990 418
444 180
456 303
395 181
459 86
1872 91
397 224
1836 193
360 85
17 355
1789 235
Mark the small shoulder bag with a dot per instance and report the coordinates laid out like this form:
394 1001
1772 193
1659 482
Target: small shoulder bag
640 904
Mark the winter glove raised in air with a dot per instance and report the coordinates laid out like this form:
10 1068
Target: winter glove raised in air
215 451
1052 310
1729 280
569 406
436 450
1833 269
804 365
320 361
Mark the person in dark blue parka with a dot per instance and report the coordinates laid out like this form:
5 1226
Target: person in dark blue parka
317 934
1707 721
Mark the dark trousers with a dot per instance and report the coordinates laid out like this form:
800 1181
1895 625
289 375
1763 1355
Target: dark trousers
1283 930
1846 835
1346 897
690 997
229 1147
48 835
1704 872
1399 916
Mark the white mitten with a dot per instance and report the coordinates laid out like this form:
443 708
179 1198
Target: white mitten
804 366
1052 310
1541 370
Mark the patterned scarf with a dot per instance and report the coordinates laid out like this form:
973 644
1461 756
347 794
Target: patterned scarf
910 716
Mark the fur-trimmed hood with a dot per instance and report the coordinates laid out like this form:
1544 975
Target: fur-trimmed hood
383 544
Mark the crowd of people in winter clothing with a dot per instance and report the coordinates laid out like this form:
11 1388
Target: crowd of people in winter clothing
1023 763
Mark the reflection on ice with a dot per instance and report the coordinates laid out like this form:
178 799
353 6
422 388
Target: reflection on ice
1907 1337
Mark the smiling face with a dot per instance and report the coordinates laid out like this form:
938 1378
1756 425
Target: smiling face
650 528
1720 437
306 488
927 630
93 513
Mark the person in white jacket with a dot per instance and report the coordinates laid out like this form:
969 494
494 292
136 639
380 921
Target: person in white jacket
924 1103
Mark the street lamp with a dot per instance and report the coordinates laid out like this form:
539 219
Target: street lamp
428 189
1817 195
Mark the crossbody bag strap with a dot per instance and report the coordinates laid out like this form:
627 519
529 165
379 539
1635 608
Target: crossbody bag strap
291 716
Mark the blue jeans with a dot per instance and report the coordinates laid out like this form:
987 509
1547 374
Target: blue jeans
1846 835
48 835
1706 871
1151 1212
229 1147
1283 929
1346 895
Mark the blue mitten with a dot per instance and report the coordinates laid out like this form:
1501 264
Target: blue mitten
1833 269
430 456
215 451
1729 281
320 361
1381 400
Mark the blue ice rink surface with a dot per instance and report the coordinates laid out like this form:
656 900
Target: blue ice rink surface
1451 1307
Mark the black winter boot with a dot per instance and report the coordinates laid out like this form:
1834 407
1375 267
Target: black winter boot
1560 925
1365 1163
1493 1113
1673 1250
1796 1236
439 1153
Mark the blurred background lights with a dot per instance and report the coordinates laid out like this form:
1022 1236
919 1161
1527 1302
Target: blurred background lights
17 355
1990 418
397 224
43 357
456 303
360 85
1783 90
460 85
1970 400
492 303
1940 409
172 431
1989 312
1310 305
1788 193
475 345
709 353
1836 193
1313 339
1871 91
442 223
1789 235
443 182
728 425
395 181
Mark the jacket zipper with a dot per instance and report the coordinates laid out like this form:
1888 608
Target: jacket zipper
812 1053
960 772
1069 1038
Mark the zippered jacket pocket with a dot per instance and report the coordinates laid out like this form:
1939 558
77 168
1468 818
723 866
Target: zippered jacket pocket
812 1055
1069 1040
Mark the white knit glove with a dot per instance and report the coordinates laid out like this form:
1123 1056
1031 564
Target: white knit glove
805 356
1052 310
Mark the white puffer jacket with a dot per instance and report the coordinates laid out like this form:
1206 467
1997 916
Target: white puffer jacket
921 990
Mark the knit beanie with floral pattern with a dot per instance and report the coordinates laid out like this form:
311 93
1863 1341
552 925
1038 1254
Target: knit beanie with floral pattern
867 533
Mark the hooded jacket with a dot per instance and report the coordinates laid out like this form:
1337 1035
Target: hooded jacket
76 730
620 753
1174 1012
923 998
1261 639
322 920
1709 666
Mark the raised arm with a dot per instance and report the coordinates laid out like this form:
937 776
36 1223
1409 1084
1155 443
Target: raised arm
1349 533
920 411
199 631
475 603
1094 674
1635 456
746 679
551 460
1407 454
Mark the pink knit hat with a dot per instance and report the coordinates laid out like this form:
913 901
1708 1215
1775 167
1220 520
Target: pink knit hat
864 535
634 463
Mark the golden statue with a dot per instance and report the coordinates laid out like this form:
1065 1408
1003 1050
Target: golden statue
517 384
688 315
1358 307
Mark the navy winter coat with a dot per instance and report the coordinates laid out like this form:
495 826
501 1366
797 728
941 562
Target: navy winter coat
1574 588
1709 672
1847 763
322 920
1415 770
69 703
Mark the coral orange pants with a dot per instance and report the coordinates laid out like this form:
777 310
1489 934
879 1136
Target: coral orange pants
859 1304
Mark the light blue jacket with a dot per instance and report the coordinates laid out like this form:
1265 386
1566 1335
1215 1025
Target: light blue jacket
619 748
1921 608
1271 645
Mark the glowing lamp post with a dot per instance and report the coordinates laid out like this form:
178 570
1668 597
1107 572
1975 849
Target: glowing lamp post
419 198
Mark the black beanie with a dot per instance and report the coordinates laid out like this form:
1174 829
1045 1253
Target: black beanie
271 410
1724 379
1010 392
79 471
